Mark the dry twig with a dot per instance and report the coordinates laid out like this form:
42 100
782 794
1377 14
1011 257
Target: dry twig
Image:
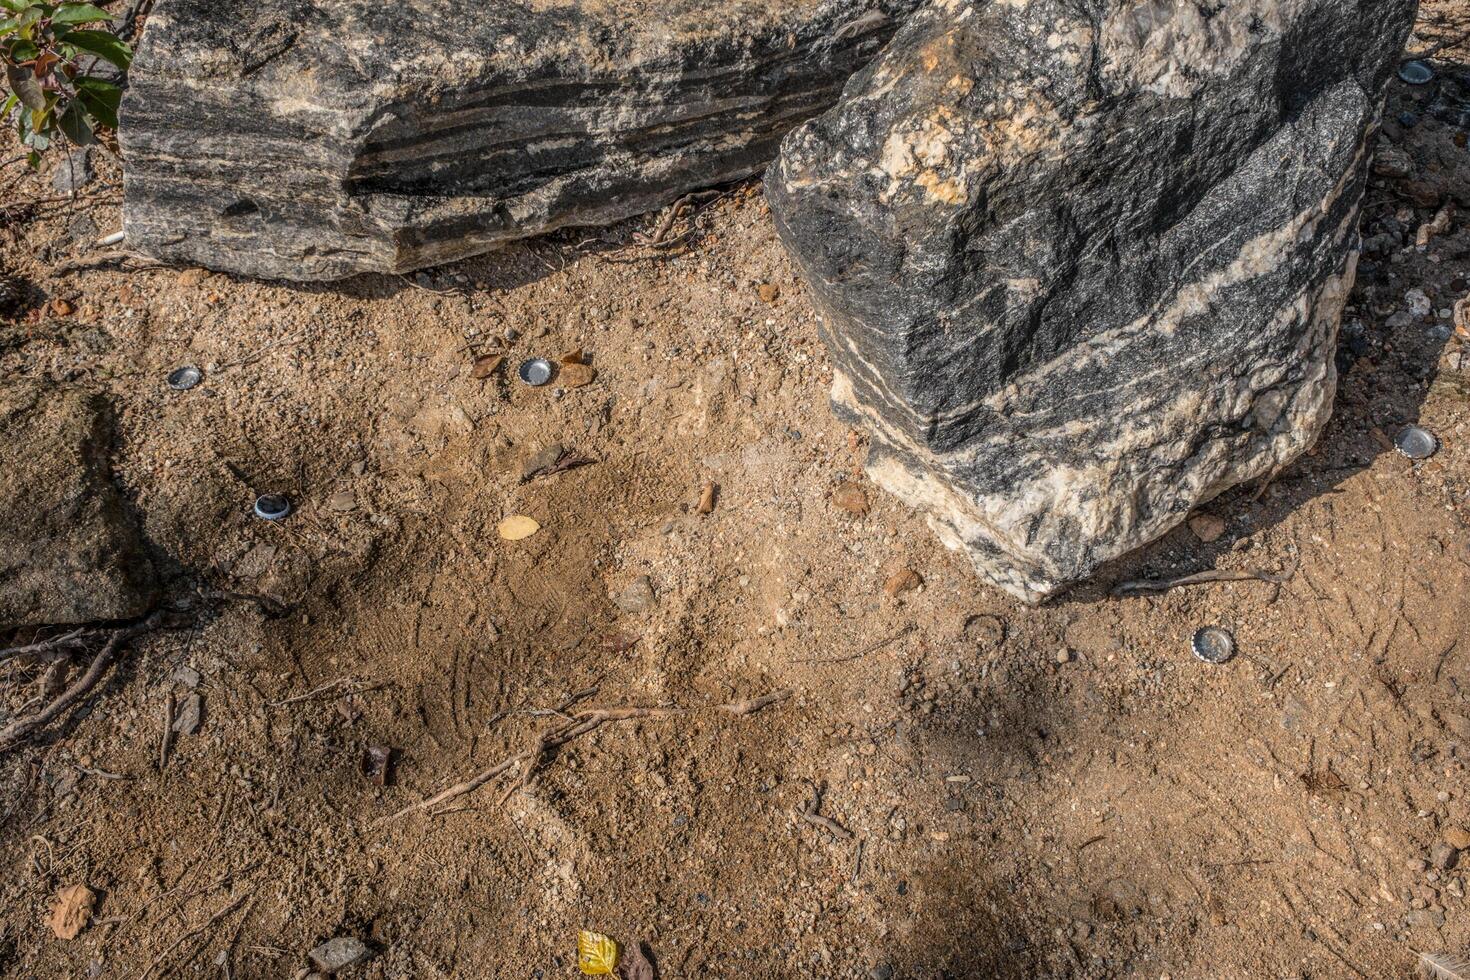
870 648
191 934
1145 586
22 728
130 261
41 648
340 688
577 725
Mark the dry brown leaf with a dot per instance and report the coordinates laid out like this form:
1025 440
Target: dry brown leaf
707 499
72 911
617 642
572 357
635 965
517 527
487 365
851 498
576 375
768 292
903 580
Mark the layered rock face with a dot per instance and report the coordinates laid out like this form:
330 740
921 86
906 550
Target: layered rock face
1082 264
69 551
316 139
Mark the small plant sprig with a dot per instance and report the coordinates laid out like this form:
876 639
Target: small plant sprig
51 94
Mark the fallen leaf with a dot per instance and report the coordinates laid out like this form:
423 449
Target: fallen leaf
617 642
486 365
768 292
903 580
636 965
707 499
517 527
72 911
538 463
597 955
851 498
571 357
576 375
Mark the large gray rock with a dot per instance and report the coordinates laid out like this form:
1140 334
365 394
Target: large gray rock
1083 263
315 139
69 550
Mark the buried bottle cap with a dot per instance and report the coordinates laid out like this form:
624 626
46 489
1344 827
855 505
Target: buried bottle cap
1416 443
272 506
535 372
1214 645
1416 72
184 378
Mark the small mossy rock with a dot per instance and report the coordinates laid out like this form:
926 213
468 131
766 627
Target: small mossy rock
70 549
338 954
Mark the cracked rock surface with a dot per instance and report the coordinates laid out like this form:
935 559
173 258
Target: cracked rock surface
317 139
1083 265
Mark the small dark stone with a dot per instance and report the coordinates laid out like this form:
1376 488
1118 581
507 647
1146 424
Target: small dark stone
1444 856
74 171
881 971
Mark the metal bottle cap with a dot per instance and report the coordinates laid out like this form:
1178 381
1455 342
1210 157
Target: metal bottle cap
272 506
535 372
1416 443
1214 645
184 378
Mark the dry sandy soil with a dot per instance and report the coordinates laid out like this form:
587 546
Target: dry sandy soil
1060 791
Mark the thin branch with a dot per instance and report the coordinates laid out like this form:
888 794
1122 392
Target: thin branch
21 729
580 724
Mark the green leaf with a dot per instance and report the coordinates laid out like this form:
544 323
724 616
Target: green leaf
104 45
73 122
22 51
8 25
23 83
79 13
14 6
34 160
100 99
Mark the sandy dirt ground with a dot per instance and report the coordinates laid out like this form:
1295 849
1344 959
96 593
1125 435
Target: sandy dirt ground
956 785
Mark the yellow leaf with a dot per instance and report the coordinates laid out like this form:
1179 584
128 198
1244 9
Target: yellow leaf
518 526
596 954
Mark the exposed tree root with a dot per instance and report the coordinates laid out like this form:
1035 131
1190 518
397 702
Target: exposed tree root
22 728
